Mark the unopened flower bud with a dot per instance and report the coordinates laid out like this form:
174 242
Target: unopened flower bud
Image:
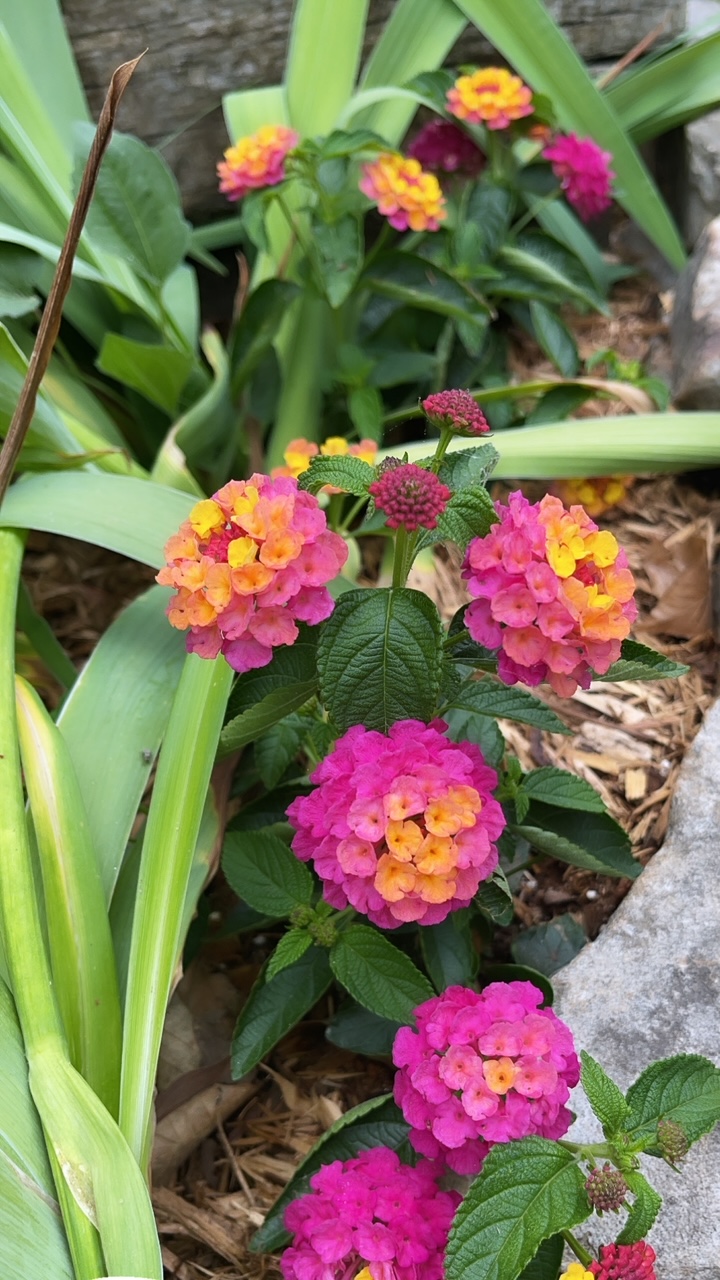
301 917
672 1141
411 497
455 411
606 1189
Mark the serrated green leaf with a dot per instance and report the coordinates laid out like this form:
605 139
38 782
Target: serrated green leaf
276 749
550 945
590 840
644 1211
605 1097
378 975
273 1008
419 283
350 474
638 662
366 409
448 951
488 697
468 467
338 255
554 338
558 787
685 1089
547 261
265 873
527 1191
490 210
494 897
547 1261
380 658
469 514
465 726
291 947
375 1123
361 1031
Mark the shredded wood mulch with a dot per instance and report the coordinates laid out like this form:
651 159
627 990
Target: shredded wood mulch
225 1150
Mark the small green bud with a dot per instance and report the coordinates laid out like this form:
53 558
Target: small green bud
606 1189
672 1141
323 932
301 917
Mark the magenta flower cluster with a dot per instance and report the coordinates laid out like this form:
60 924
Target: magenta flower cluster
583 170
441 147
410 496
370 1212
402 826
482 1069
456 411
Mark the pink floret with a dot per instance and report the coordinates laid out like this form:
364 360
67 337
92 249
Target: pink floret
583 170
506 1065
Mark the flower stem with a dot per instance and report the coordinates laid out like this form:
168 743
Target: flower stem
446 436
580 1252
405 544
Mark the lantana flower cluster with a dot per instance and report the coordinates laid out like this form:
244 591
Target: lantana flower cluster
455 411
583 170
595 493
402 826
411 497
492 96
256 161
410 198
481 1069
441 147
552 594
249 564
369 1218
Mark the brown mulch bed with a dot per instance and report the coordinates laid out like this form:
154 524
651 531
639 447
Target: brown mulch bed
228 1149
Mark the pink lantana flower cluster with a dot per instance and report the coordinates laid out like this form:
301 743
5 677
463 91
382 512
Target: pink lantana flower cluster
249 564
482 1069
402 826
369 1216
256 161
583 170
455 411
411 497
553 594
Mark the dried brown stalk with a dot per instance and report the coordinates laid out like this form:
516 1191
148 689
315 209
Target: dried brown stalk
52 314
636 52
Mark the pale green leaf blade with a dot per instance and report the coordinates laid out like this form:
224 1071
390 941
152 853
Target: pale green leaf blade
537 48
668 91
40 40
249 109
325 46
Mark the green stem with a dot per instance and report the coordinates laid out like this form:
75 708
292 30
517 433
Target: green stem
532 211
354 511
441 449
173 823
306 245
405 544
380 241
580 1252
451 641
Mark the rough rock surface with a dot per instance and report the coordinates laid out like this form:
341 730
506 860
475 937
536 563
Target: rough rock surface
695 331
648 988
199 50
702 197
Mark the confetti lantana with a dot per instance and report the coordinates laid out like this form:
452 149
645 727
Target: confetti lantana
410 198
625 1262
583 170
595 493
410 496
552 594
481 1069
369 1218
256 161
440 147
455 411
492 96
247 565
402 826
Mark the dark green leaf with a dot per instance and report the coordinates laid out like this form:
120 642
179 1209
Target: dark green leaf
469 514
377 975
254 214
276 749
465 726
549 945
432 87
267 809
291 664
420 283
558 787
43 639
448 951
638 662
380 658
494 898
366 411
350 474
338 255
265 873
469 467
257 327
644 1211
376 1123
135 211
159 373
557 404
360 1031
527 1191
554 338
490 208
345 143
685 1089
604 1096
547 261
590 840
273 1008
547 1261
488 697
393 368
518 973
291 947
261 717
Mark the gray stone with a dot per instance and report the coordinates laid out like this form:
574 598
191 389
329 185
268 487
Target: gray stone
695 328
648 988
199 50
702 137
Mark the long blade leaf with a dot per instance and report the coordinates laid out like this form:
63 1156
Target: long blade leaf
325 47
